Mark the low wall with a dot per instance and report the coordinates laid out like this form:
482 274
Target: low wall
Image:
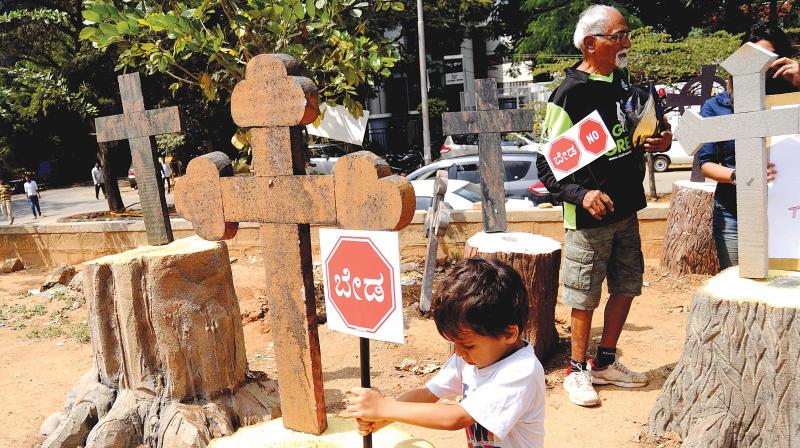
73 243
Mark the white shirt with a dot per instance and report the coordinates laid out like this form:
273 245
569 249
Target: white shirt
97 176
166 169
506 399
31 188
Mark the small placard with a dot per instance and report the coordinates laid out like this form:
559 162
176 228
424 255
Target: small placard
361 279
579 146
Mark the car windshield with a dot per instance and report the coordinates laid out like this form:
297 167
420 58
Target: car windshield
470 192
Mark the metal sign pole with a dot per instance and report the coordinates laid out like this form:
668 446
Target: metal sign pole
365 382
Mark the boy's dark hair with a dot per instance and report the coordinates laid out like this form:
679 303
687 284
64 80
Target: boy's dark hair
483 295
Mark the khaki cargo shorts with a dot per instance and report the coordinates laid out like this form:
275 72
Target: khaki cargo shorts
590 255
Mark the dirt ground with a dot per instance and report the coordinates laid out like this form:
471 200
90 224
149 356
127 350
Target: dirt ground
44 349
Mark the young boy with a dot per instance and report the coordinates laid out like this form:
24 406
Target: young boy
481 306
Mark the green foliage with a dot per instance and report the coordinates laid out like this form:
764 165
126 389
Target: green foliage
552 25
660 58
207 43
436 106
168 144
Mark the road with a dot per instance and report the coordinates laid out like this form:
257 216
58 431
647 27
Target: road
64 202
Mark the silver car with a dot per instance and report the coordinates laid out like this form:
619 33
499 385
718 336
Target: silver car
520 176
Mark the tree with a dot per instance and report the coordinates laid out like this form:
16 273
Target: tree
207 43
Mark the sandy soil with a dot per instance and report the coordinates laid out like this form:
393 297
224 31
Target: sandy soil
43 353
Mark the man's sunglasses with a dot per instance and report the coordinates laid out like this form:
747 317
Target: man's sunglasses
619 36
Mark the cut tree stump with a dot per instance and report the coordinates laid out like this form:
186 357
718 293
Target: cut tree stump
170 368
736 382
688 244
538 260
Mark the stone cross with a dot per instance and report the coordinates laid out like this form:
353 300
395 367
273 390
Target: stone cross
437 219
361 194
138 126
489 122
749 127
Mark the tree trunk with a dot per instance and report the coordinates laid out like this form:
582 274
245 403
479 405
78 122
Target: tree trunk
688 244
170 363
735 384
537 259
112 186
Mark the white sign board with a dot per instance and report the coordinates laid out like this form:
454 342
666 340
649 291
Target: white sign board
783 205
361 279
579 146
339 124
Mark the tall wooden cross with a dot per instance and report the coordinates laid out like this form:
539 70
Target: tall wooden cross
138 126
361 194
488 122
749 127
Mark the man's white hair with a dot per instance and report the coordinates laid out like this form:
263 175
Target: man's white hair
593 20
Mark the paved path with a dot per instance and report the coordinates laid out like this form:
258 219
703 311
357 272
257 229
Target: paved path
62 202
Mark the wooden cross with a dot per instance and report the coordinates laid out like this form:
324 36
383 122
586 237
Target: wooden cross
686 98
138 126
361 194
437 219
749 127
489 122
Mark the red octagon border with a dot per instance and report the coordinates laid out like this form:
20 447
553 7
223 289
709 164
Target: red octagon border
391 283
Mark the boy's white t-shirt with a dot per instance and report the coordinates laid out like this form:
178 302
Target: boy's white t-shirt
506 399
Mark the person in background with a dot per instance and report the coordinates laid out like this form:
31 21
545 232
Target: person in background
718 160
99 181
32 191
166 173
5 200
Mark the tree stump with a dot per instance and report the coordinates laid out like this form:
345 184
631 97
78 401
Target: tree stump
170 368
735 384
688 244
538 260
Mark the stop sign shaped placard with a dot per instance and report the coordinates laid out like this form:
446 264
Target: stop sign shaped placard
592 136
564 154
360 285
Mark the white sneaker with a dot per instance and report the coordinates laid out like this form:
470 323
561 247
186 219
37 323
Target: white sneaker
617 374
579 386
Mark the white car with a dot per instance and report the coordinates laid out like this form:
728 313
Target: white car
464 145
675 156
460 195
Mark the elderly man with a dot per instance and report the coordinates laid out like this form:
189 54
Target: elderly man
600 202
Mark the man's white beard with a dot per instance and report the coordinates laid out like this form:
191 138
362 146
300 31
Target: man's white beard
621 59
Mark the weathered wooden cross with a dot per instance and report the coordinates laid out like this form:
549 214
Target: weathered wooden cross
686 97
138 126
749 127
361 194
436 221
489 122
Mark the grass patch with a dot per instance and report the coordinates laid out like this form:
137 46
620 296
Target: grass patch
78 332
24 312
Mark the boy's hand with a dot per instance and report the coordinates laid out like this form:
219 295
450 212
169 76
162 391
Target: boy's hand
365 427
365 404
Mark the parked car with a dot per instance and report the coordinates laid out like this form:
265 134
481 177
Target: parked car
463 145
460 195
132 177
323 156
675 156
520 176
